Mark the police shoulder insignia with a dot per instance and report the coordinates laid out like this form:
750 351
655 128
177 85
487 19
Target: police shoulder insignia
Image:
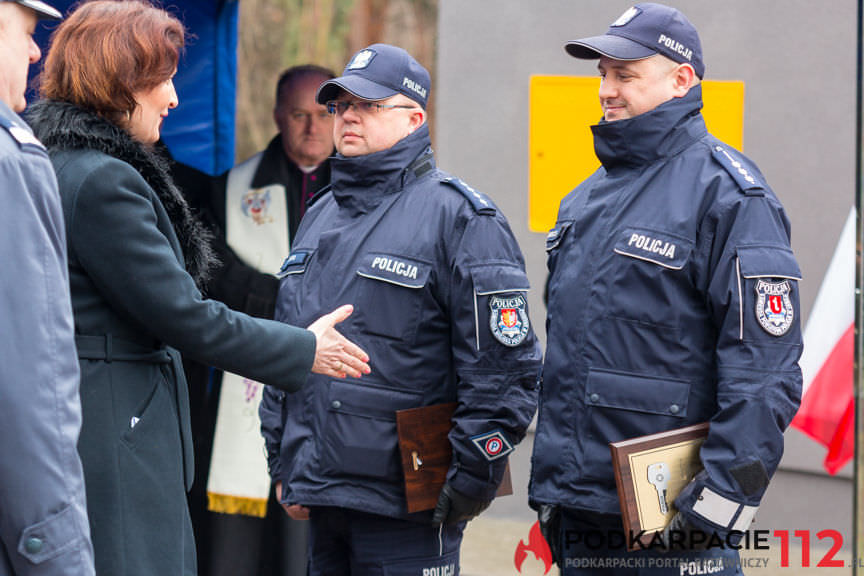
492 445
749 183
508 319
480 202
21 135
774 306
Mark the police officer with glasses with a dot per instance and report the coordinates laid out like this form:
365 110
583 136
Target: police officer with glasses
440 295
673 300
43 514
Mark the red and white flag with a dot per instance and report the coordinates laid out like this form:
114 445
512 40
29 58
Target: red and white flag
827 412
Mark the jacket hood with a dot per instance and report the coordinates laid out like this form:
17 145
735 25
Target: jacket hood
65 126
658 133
361 182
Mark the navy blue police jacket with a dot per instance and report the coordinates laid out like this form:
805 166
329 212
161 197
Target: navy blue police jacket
440 295
673 300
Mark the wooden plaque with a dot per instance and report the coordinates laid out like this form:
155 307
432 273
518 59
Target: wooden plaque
639 465
426 454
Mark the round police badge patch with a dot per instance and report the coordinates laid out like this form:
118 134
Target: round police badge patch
508 319
774 306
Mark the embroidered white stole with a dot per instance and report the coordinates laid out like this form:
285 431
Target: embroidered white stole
256 228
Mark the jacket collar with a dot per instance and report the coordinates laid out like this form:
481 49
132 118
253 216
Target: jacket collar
362 182
659 133
65 126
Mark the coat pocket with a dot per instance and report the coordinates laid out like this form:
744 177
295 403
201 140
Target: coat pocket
360 433
650 277
390 295
621 405
156 411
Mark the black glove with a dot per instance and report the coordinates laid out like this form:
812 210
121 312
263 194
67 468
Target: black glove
550 526
453 507
681 535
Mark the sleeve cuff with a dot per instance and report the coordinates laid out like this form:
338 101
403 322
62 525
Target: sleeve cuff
711 511
274 465
473 485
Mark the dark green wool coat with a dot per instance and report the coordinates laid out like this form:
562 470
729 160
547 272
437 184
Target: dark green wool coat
136 303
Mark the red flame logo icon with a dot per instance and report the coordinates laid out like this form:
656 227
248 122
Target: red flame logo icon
536 544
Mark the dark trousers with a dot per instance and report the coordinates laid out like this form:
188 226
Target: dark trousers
247 546
594 544
230 544
346 542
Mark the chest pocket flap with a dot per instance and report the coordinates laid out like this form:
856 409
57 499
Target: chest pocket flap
768 262
638 393
398 270
390 296
667 250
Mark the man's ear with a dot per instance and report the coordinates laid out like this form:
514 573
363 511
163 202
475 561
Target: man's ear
683 78
417 118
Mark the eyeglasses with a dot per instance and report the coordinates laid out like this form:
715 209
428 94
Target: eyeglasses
339 107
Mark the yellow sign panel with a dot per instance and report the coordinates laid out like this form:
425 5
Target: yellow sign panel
561 146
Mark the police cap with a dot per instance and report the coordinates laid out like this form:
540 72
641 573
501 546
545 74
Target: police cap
378 72
642 31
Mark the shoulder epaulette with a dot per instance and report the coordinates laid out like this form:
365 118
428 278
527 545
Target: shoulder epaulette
749 183
317 196
480 202
20 134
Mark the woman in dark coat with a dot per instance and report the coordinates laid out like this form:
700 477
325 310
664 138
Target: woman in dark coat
135 256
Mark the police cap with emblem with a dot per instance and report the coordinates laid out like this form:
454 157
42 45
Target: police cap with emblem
641 32
378 72
43 10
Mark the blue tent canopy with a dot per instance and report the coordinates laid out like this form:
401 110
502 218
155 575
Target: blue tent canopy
200 132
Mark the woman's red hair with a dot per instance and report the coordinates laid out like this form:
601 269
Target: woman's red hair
108 50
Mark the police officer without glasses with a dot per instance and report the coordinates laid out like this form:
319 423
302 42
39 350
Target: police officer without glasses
673 299
440 296
43 515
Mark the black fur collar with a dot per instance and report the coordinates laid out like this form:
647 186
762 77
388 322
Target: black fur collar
64 126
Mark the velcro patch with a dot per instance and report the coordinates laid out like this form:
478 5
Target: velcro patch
493 445
554 237
752 477
294 264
